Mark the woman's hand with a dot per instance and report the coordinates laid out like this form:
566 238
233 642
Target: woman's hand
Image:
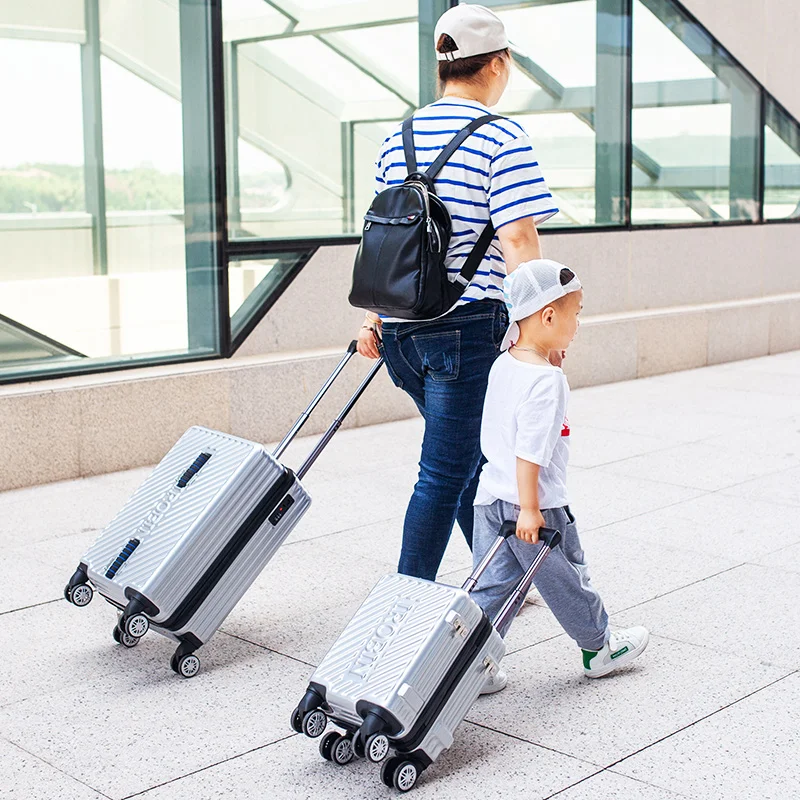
528 524
368 341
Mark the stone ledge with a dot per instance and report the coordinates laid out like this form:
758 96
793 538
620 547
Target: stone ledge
87 425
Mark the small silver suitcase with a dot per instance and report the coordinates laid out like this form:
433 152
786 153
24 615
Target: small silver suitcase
197 533
407 669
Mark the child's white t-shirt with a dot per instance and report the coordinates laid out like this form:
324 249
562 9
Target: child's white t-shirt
525 416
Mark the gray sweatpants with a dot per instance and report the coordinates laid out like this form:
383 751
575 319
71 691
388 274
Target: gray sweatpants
563 579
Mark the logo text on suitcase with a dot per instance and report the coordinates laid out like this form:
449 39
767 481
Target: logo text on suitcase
380 638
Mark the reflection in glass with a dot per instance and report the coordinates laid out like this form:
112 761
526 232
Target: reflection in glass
304 87
695 123
93 266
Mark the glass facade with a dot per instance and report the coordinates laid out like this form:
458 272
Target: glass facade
695 122
310 91
170 165
93 176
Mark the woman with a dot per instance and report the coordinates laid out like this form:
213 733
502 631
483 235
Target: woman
444 364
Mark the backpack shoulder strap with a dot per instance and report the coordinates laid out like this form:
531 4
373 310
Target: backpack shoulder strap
408 145
476 255
455 143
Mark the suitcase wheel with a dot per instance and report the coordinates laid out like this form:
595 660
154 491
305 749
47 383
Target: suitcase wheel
377 747
337 748
297 721
120 637
137 626
405 775
187 666
314 723
80 595
387 770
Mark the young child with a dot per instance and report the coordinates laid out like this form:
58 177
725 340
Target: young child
525 438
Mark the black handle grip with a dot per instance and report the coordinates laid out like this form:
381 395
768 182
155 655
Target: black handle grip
352 347
508 529
549 536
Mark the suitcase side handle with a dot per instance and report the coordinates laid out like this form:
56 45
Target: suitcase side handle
303 418
549 539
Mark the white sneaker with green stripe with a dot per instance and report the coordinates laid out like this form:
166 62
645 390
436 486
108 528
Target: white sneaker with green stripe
621 648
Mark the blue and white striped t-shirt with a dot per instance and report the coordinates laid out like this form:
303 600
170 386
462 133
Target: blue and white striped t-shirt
494 173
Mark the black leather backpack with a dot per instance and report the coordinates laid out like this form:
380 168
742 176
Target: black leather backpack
399 269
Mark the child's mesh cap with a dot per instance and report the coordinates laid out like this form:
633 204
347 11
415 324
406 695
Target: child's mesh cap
532 286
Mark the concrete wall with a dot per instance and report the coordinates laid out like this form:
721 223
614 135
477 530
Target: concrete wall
656 301
762 34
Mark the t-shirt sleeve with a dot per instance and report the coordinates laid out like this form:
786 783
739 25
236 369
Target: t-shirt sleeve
517 188
540 419
380 181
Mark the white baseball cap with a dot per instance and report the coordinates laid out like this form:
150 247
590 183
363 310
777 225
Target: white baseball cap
475 30
532 286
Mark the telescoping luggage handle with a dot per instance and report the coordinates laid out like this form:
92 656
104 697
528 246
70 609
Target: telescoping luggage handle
548 537
303 418
337 423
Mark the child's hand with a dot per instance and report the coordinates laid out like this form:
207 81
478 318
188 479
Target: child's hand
557 357
528 525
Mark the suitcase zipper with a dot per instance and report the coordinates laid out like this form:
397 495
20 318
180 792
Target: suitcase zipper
433 708
228 555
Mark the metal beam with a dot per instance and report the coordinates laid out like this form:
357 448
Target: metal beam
782 176
782 125
372 71
348 178
331 29
203 175
93 157
429 13
509 5
232 137
540 76
612 112
746 147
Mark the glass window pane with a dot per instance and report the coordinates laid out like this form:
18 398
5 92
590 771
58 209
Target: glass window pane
94 267
552 94
297 104
781 164
695 116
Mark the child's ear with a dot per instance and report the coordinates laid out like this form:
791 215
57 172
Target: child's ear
547 315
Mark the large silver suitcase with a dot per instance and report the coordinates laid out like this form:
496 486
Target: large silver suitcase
407 668
197 533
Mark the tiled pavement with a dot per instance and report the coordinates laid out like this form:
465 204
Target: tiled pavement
687 492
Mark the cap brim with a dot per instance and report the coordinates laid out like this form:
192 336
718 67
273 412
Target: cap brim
517 50
511 337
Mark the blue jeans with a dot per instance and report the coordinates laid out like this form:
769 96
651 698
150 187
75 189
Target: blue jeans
444 366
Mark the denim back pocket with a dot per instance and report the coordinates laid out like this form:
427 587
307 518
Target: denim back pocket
439 354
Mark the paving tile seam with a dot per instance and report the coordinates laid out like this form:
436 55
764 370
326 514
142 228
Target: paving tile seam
778 567
610 767
726 491
340 531
268 649
680 588
529 742
725 488
209 766
33 605
57 769
715 649
606 769
644 513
